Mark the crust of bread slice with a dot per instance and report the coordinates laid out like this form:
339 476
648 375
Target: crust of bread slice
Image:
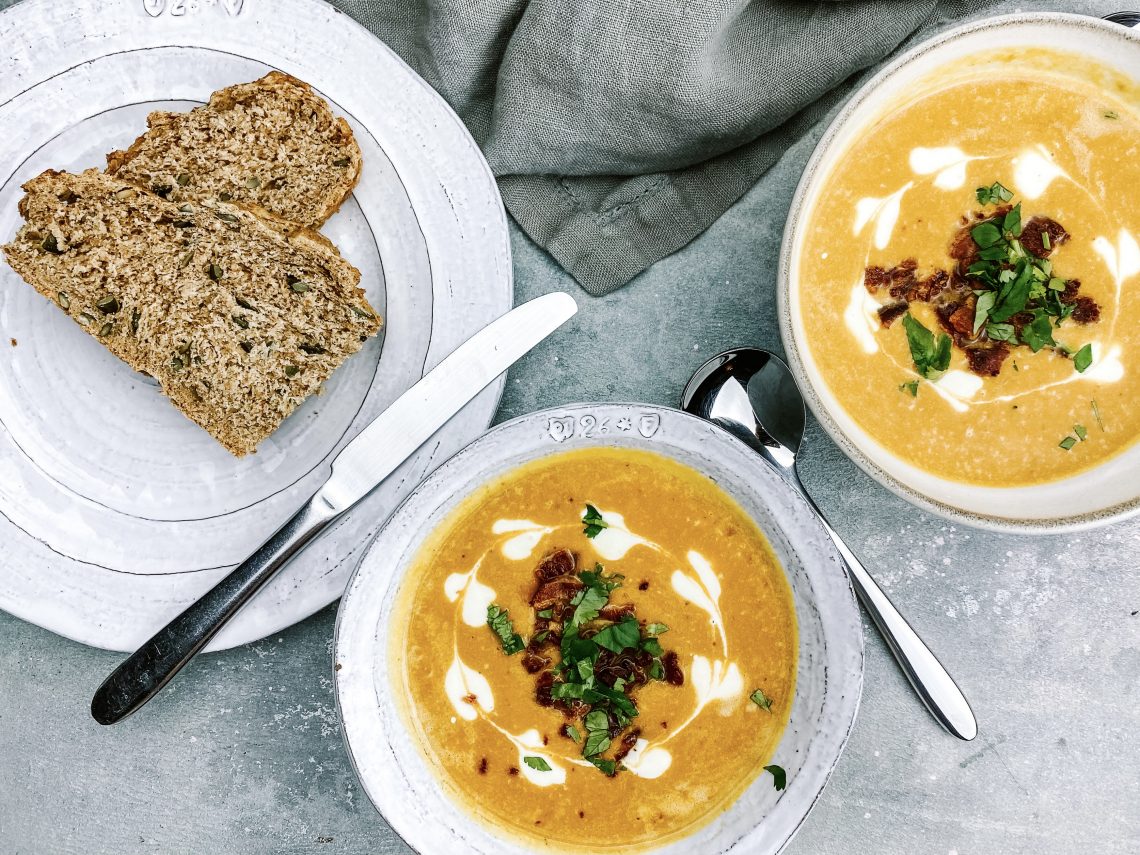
273 143
240 315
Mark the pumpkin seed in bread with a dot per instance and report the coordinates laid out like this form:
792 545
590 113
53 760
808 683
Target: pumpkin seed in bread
272 142
239 315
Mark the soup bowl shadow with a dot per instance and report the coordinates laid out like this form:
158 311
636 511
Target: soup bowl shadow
1105 493
389 760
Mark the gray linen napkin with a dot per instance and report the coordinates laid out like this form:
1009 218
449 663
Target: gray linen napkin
619 130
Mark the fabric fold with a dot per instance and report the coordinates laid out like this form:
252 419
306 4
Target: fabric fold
619 131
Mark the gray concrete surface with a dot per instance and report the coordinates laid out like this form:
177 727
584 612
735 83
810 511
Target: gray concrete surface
244 754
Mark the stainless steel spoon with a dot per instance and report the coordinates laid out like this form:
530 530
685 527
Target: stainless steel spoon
1125 19
752 395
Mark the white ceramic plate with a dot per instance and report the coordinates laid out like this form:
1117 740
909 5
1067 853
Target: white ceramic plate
1108 492
390 764
116 511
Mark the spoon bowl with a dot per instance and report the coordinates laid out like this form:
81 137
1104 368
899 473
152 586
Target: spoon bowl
778 414
751 394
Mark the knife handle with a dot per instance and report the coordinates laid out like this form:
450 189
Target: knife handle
154 664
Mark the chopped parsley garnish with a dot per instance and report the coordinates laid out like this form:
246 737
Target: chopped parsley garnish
1082 359
1082 433
537 763
1096 413
619 636
761 700
499 620
931 356
628 654
910 387
1009 280
593 522
607 767
597 733
994 194
779 776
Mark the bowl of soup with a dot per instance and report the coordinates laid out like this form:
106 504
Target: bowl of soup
959 289
599 628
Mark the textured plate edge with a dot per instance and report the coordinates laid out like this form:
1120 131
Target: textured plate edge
483 408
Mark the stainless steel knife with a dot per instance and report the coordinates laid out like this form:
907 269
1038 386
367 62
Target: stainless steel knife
366 461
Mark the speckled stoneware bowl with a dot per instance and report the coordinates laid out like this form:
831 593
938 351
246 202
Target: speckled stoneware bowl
391 766
1103 494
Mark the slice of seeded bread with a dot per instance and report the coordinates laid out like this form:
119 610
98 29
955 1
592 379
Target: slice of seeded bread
273 143
239 315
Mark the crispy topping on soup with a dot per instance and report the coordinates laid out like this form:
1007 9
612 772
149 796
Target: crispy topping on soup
590 654
1002 293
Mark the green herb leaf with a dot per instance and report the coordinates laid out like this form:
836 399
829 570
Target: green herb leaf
1068 442
607 766
1082 359
911 386
1081 431
993 194
1000 332
596 743
1096 413
652 646
537 763
761 700
931 358
593 522
596 720
655 628
986 234
499 620
779 776
1038 334
1013 296
589 602
597 578
619 636
573 733
1011 225
983 306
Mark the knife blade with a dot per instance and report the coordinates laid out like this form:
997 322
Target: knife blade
390 439
412 418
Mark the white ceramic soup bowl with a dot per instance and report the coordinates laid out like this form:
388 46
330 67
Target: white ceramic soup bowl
1105 493
388 759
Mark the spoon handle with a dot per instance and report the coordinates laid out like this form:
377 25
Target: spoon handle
931 681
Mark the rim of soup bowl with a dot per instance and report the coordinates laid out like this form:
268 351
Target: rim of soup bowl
851 438
416 800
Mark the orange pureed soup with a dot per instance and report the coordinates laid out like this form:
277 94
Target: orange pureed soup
597 651
940 319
